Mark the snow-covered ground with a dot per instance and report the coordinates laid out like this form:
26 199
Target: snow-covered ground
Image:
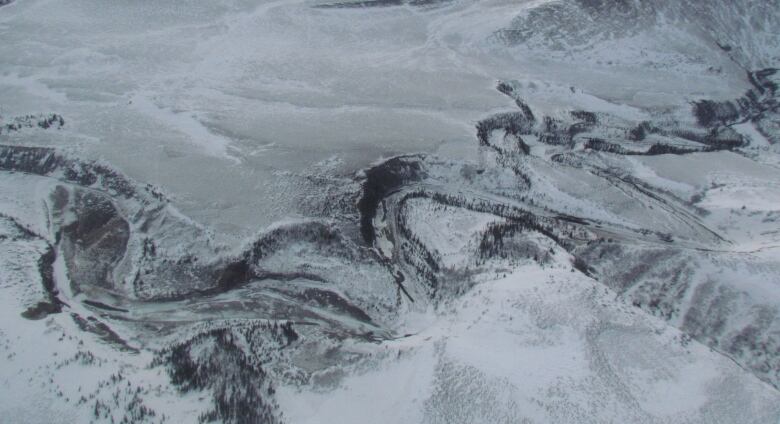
450 211
539 345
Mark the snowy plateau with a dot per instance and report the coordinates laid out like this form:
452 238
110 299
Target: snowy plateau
390 211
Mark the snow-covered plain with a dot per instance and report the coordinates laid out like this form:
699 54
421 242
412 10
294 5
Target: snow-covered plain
419 211
226 102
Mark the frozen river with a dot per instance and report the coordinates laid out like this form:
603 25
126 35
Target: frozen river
230 105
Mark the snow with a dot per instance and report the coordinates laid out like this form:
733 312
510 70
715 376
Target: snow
549 337
454 231
50 363
748 129
189 125
391 394
210 100
254 118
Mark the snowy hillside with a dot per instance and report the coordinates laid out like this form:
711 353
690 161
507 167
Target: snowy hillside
382 211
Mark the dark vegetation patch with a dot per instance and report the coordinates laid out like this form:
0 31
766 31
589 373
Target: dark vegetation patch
601 145
512 123
310 232
380 181
582 266
589 118
379 3
46 161
750 107
360 4
716 117
45 264
20 123
642 130
665 149
230 364
498 239
95 242
103 331
234 275
101 305
329 300
41 310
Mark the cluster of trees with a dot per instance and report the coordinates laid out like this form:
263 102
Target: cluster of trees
414 251
713 143
52 304
216 360
557 132
30 121
136 412
716 116
92 173
512 123
641 130
426 262
554 132
310 232
46 161
723 139
764 80
381 180
494 241
589 118
508 90
665 149
600 145
752 105
709 113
